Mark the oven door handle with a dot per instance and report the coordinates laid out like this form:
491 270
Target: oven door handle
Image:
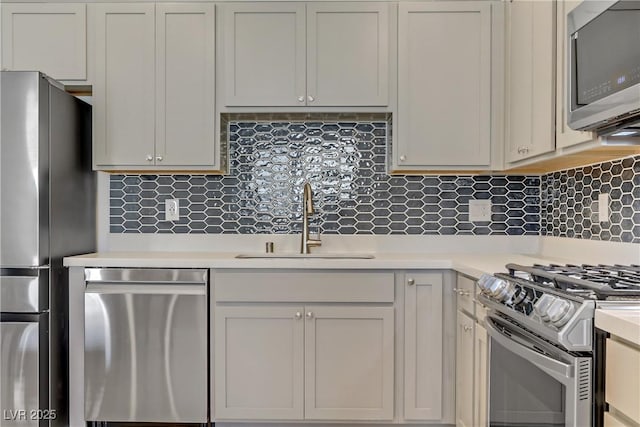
561 371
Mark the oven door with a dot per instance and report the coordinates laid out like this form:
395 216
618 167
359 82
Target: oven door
533 383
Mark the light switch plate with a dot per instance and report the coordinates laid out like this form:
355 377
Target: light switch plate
172 209
479 210
603 207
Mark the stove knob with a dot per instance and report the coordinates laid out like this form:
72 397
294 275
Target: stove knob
501 290
560 312
541 306
484 282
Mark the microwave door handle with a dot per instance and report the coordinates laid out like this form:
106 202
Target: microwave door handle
555 368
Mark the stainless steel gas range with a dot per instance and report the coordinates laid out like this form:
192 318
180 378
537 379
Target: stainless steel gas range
547 358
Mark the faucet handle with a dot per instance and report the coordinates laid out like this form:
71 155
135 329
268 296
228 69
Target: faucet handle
315 242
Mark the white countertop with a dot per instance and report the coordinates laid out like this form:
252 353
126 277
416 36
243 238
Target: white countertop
623 322
470 264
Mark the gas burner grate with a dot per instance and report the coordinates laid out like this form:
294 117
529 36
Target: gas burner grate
590 281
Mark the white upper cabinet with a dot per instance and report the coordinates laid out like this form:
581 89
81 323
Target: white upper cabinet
264 54
530 106
347 54
154 89
51 38
297 54
565 136
124 86
185 84
444 117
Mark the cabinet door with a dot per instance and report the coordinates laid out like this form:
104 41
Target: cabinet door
124 87
51 38
480 371
423 342
185 56
258 362
565 136
444 85
464 371
349 363
347 54
530 109
264 54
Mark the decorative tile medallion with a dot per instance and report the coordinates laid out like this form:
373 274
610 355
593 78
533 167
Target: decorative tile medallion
344 160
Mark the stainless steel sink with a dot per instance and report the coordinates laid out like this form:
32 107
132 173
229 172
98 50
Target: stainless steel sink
306 256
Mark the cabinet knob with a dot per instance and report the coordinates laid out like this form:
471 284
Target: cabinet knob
298 315
309 314
149 158
403 158
159 158
411 282
310 98
466 328
301 99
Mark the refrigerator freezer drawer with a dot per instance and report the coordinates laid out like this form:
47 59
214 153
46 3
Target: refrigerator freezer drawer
24 292
145 355
20 390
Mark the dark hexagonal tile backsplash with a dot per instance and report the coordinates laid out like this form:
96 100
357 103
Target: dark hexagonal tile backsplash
345 163
570 201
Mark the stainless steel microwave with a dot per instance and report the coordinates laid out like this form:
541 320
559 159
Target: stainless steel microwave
604 67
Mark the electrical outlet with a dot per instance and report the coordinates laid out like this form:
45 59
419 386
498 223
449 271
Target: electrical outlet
171 210
603 207
479 210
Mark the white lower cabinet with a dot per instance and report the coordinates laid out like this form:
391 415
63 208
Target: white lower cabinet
333 345
472 355
423 347
259 362
349 363
464 371
341 355
480 376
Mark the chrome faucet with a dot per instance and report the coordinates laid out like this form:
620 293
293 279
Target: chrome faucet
307 209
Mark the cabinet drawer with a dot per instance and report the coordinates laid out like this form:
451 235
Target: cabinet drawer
623 379
465 289
303 286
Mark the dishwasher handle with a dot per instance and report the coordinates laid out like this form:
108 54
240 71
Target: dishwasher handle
146 275
146 288
180 281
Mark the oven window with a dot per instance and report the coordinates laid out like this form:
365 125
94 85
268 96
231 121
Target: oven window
521 394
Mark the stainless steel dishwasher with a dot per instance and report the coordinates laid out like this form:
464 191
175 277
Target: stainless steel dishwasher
146 345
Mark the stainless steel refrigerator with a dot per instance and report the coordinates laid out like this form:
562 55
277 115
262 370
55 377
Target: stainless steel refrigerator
47 211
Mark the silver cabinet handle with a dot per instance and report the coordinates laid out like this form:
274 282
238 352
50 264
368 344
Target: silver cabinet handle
309 314
298 315
411 282
310 98
301 99
149 158
466 328
159 158
403 158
